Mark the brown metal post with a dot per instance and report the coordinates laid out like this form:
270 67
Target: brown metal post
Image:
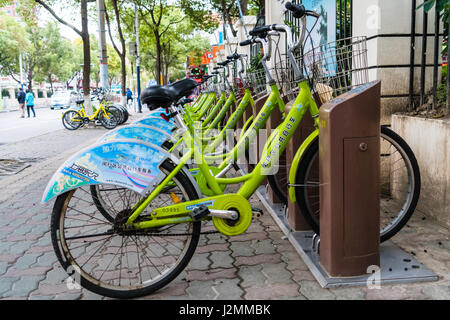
306 127
254 149
349 149
272 123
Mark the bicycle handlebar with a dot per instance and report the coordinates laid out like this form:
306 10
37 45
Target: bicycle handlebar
236 56
246 42
298 10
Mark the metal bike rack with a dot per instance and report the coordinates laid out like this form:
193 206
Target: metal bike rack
255 147
349 167
306 127
348 252
272 123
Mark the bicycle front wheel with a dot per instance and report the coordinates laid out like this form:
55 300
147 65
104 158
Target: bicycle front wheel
121 264
399 184
72 120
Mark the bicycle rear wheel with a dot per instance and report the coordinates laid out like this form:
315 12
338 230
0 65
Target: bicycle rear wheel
118 113
109 122
399 184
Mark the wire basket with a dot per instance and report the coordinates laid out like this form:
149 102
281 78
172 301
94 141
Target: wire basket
337 67
256 81
332 69
284 76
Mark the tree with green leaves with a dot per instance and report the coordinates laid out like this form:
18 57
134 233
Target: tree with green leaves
83 33
117 8
13 41
57 62
159 18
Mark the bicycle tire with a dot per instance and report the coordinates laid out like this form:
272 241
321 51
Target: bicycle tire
110 123
125 113
71 259
68 123
399 219
117 112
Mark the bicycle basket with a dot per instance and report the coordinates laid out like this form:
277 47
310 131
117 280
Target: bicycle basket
337 67
256 81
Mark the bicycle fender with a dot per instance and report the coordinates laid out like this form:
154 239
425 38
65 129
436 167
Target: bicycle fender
139 132
158 122
296 162
157 114
131 164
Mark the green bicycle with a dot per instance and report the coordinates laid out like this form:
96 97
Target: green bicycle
154 233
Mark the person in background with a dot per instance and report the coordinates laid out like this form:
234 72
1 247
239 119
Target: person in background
29 100
129 95
21 100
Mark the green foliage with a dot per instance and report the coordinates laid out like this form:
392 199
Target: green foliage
198 14
441 94
4 3
255 63
176 41
442 6
5 93
13 40
57 60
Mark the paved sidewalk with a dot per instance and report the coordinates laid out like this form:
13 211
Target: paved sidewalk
260 264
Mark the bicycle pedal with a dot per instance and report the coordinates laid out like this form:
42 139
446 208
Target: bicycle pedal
199 213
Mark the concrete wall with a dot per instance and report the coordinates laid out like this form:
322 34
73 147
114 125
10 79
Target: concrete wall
388 24
429 139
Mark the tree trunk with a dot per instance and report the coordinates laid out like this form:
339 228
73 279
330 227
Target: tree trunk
87 57
244 7
448 76
51 82
158 57
124 79
30 79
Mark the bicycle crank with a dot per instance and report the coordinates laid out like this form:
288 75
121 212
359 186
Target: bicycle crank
231 213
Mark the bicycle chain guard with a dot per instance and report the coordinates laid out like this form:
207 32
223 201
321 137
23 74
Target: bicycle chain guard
236 203
228 227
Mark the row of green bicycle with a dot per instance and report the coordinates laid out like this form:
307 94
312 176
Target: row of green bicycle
129 210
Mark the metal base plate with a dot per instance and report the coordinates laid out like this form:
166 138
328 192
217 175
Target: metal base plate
396 265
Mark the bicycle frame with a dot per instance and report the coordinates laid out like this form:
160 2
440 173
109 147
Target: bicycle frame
101 108
178 213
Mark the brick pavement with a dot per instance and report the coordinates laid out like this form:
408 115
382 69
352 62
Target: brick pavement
260 264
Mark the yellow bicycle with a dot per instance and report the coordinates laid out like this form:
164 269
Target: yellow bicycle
74 119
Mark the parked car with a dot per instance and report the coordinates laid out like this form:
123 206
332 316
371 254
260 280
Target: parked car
63 99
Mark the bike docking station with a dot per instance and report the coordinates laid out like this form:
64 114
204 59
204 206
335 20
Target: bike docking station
348 251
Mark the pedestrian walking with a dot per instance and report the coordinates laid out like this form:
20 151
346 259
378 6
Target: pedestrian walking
129 95
21 100
29 100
